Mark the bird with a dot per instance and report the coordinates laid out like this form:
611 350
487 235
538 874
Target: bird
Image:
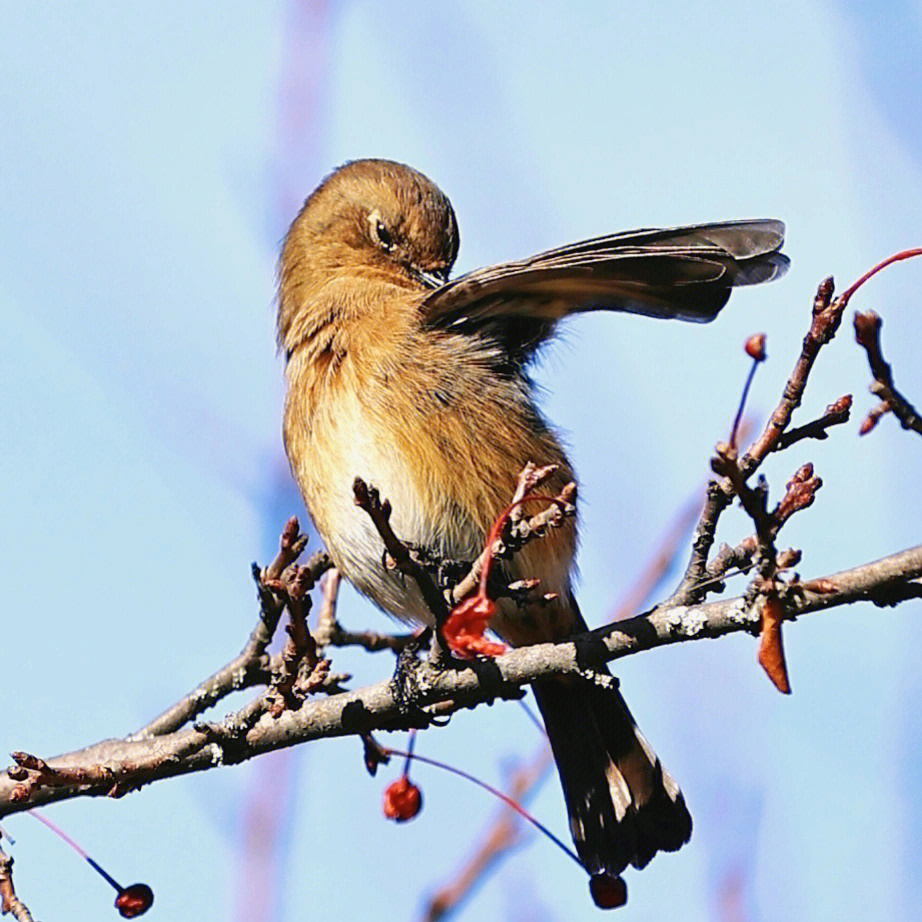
419 383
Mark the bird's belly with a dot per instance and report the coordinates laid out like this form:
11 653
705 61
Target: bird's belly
353 447
447 472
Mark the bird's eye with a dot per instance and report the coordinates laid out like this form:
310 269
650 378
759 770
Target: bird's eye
384 237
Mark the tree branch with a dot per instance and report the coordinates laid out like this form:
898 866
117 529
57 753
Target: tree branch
825 321
836 414
129 763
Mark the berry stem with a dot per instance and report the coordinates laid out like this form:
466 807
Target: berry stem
411 743
895 258
742 405
60 832
505 798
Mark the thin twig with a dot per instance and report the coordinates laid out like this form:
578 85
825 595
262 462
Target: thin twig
867 333
326 619
827 316
521 530
9 902
836 414
372 641
330 633
826 319
369 499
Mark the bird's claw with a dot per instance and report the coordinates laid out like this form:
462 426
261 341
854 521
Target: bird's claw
404 681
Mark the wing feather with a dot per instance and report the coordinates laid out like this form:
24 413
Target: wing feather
683 272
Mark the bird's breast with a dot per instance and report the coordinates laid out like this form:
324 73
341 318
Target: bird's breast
347 433
440 436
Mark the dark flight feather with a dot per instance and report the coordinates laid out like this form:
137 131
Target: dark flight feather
685 273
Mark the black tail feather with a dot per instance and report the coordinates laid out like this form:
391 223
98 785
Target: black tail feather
623 806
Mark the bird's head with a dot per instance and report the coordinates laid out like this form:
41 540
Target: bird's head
372 219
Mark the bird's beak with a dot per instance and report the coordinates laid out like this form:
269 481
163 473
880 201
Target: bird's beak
431 278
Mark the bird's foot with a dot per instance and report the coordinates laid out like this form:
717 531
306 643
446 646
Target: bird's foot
404 681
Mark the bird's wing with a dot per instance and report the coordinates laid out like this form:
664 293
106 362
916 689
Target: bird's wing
682 272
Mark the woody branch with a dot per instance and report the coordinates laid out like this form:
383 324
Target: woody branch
133 762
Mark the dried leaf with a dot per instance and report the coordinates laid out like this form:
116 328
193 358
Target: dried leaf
771 650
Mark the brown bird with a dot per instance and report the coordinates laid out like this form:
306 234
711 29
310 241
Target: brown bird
419 385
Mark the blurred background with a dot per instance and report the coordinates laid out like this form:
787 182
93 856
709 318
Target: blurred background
152 157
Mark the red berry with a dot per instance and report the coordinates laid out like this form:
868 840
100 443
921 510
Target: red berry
608 891
402 800
755 347
134 900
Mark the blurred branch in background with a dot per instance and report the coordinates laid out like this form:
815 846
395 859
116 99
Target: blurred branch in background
301 90
501 837
302 82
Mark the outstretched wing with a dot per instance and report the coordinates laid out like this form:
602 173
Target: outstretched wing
682 272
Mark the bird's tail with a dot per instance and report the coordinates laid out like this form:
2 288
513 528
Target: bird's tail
623 806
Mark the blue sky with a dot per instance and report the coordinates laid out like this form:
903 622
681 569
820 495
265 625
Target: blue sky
152 156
